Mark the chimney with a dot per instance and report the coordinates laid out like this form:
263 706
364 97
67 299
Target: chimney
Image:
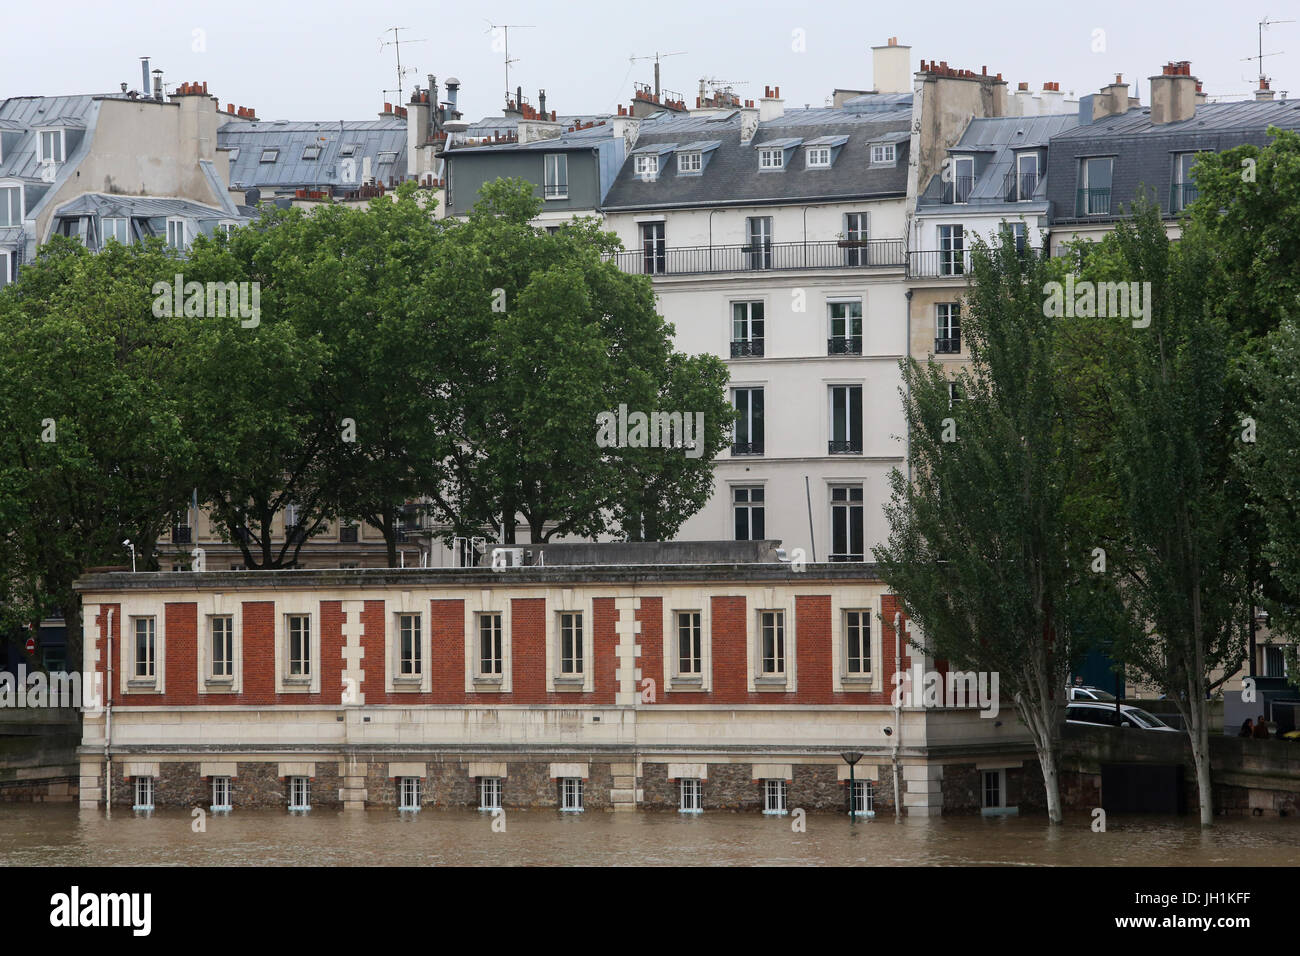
891 67
1173 94
453 87
541 103
1051 98
144 76
1264 92
748 124
771 106
1200 94
419 131
157 85
628 127
1113 100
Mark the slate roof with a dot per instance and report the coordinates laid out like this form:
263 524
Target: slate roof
732 176
510 124
27 114
579 139
290 170
1242 116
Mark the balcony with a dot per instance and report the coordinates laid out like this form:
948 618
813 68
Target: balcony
1019 187
1093 202
181 534
844 345
947 346
348 534
852 446
772 256
747 348
1182 195
747 448
556 190
940 263
958 189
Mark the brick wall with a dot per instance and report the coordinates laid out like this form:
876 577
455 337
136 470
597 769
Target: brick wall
447 643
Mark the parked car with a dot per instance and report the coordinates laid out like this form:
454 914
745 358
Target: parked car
1099 714
1088 692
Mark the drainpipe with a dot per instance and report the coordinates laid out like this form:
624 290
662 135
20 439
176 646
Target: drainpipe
898 713
908 355
108 723
711 212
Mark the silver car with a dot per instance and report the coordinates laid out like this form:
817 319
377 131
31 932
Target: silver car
1098 714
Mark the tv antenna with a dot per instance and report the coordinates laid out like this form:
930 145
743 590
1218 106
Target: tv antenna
657 57
396 43
505 29
1259 57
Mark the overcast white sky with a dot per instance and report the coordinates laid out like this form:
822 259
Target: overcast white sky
322 60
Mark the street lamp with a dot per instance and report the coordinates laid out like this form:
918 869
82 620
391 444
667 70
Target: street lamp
851 757
127 543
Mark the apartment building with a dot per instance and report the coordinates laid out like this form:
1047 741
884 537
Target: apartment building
700 676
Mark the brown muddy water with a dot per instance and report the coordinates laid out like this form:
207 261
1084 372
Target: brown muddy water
45 835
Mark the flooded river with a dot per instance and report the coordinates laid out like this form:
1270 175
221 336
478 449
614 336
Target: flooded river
51 835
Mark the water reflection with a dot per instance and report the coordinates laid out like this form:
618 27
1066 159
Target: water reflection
65 836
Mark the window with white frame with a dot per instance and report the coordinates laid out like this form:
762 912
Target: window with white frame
221 638
176 234
994 789
491 661
570 644
299 793
689 644
117 229
269 155
954 395
408 793
7 260
862 801
298 645
774 796
947 328
233 153
220 793
818 157
571 794
51 146
747 432
882 154
689 800
646 165
952 251
146 648
11 205
845 413
143 793
556 182
847 523
409 633
691 162
771 159
747 328
227 229
771 643
387 156
857 643
747 509
489 793
845 327
311 153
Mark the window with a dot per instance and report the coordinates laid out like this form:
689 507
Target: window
845 328
222 637
233 153
220 793
143 793
181 527
1094 186
388 156
759 229
146 648
857 643
772 643
571 794
299 793
348 534
856 231
882 154
689 654
1026 176
952 257
489 793
1018 236
954 395
489 644
176 234
1274 661
747 510
846 420
746 329
227 229
994 789
6 267
862 801
947 328
1184 189
647 165
408 793
689 163
818 157
11 205
346 150
771 159
570 643
748 439
846 523
690 802
117 230
311 153
408 628
774 797
960 179
653 251
299 631
270 155
51 145
557 176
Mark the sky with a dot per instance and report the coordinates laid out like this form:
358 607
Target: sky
324 60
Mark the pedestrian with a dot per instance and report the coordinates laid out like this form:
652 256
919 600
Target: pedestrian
1261 728
1247 728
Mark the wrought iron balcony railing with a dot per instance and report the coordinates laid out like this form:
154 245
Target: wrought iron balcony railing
747 448
747 348
1182 195
1019 187
181 534
844 345
851 447
939 263
947 346
773 256
1093 202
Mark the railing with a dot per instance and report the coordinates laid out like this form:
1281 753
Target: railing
773 256
747 448
181 534
844 345
939 263
947 346
556 190
958 189
1182 195
850 447
747 348
1093 202
1019 187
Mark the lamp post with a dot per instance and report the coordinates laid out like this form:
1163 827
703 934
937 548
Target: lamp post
851 757
128 544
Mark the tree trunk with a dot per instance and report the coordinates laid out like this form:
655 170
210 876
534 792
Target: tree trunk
72 634
390 539
1037 719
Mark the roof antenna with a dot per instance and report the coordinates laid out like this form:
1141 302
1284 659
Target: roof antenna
396 44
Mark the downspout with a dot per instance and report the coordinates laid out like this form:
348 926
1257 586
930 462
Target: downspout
108 722
908 380
898 712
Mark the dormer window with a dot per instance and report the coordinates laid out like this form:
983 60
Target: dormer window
233 153
818 157
647 165
311 152
270 155
176 234
958 179
11 205
350 149
388 156
771 159
883 154
117 229
51 146
690 162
